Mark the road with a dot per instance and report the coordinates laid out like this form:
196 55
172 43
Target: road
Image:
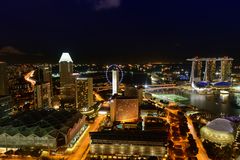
28 76
202 155
81 148
97 96
181 141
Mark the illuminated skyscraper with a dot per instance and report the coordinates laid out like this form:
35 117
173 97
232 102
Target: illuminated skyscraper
84 92
115 81
198 70
210 70
226 69
47 72
44 75
42 96
3 79
66 71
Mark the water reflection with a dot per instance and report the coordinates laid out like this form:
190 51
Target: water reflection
228 104
237 98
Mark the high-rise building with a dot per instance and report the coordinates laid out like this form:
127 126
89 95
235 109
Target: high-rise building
42 96
210 70
124 109
66 71
226 69
84 92
44 75
198 71
3 79
47 72
115 81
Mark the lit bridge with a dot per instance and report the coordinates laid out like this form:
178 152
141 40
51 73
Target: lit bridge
159 87
146 87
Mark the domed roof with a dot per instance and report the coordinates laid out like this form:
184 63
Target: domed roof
218 131
221 124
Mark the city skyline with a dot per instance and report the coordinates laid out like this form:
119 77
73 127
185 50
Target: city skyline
93 31
119 79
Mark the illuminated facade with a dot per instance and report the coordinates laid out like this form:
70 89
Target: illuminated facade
3 79
219 131
124 109
53 130
46 73
210 69
115 81
125 144
84 92
66 71
198 71
42 96
226 69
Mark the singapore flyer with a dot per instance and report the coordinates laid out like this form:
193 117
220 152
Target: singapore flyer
109 70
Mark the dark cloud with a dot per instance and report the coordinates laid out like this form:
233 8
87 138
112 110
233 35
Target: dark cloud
9 50
106 4
133 30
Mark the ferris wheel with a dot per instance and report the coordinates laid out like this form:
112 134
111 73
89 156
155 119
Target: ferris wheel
110 69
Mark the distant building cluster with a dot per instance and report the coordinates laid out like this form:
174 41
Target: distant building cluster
73 88
45 106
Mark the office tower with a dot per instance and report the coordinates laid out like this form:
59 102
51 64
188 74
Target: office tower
44 75
115 81
47 73
124 109
3 79
226 69
84 92
66 71
42 96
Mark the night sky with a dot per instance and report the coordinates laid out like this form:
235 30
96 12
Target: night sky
118 31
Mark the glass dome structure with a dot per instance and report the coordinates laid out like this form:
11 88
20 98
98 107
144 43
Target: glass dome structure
218 131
